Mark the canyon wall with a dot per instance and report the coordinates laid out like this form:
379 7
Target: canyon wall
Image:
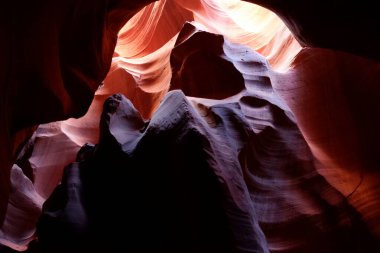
276 124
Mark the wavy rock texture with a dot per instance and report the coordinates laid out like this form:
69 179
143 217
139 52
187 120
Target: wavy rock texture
39 59
334 111
304 131
165 182
140 70
23 211
263 173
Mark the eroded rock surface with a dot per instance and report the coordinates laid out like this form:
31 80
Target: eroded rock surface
295 128
238 168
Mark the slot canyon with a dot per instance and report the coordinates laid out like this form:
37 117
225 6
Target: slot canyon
189 126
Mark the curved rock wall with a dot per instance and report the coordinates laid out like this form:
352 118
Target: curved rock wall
308 116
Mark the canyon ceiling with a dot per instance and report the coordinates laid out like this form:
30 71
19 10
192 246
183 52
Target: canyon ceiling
191 125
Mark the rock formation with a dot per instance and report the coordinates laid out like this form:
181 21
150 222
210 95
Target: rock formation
41 66
269 147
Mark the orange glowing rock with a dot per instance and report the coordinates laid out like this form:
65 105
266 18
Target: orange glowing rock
305 83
